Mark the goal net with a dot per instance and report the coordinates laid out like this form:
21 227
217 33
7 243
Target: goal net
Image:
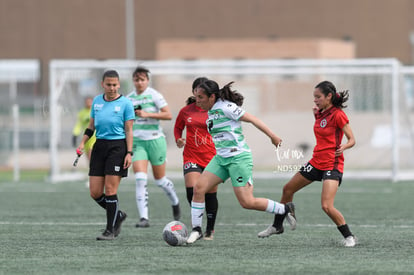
280 92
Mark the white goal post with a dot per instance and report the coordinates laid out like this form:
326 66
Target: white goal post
278 91
16 75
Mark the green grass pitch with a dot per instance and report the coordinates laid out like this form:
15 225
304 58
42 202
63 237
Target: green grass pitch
51 229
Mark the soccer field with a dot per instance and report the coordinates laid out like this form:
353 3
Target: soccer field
51 229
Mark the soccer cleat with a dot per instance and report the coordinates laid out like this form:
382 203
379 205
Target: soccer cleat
143 223
290 215
106 236
121 218
195 235
209 235
270 231
176 212
349 241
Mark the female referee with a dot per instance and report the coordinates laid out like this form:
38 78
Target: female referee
327 162
112 116
233 158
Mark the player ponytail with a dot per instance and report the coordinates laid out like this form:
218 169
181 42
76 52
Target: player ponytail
227 93
338 98
211 87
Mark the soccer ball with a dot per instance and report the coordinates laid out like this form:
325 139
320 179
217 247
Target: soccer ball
175 233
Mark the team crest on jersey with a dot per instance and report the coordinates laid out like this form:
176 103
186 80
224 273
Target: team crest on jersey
117 109
323 123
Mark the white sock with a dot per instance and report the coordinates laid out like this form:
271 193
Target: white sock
141 194
197 211
169 190
275 207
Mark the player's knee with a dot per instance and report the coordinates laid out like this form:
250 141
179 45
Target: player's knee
327 208
246 203
199 189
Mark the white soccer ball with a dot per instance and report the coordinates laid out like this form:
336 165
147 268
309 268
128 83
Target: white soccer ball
175 233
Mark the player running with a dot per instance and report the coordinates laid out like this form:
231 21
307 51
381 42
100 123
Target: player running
150 144
233 158
327 162
198 151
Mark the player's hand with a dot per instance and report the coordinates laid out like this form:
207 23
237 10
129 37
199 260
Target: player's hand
339 151
141 113
180 142
315 109
276 141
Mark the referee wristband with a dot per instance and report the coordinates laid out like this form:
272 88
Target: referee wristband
131 153
88 132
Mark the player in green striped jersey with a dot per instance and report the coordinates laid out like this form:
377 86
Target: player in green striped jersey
150 144
233 159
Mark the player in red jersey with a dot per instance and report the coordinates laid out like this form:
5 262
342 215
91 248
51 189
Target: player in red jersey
198 151
327 162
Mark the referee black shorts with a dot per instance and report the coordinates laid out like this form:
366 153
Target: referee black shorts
107 158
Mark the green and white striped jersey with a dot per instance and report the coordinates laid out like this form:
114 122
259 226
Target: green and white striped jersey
150 101
225 128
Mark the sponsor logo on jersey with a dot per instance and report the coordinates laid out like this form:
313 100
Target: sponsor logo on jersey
98 107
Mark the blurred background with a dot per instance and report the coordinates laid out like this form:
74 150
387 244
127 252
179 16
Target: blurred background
53 53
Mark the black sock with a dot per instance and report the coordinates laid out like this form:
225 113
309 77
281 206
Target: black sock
101 201
344 229
111 211
278 220
211 210
189 191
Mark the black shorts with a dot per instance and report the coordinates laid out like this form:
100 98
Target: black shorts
314 174
192 167
108 158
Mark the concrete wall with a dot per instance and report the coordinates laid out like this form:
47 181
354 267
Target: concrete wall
47 29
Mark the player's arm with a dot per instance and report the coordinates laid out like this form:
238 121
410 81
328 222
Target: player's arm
350 140
178 130
163 114
246 117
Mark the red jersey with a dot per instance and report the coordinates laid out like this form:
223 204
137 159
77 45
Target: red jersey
328 132
199 147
